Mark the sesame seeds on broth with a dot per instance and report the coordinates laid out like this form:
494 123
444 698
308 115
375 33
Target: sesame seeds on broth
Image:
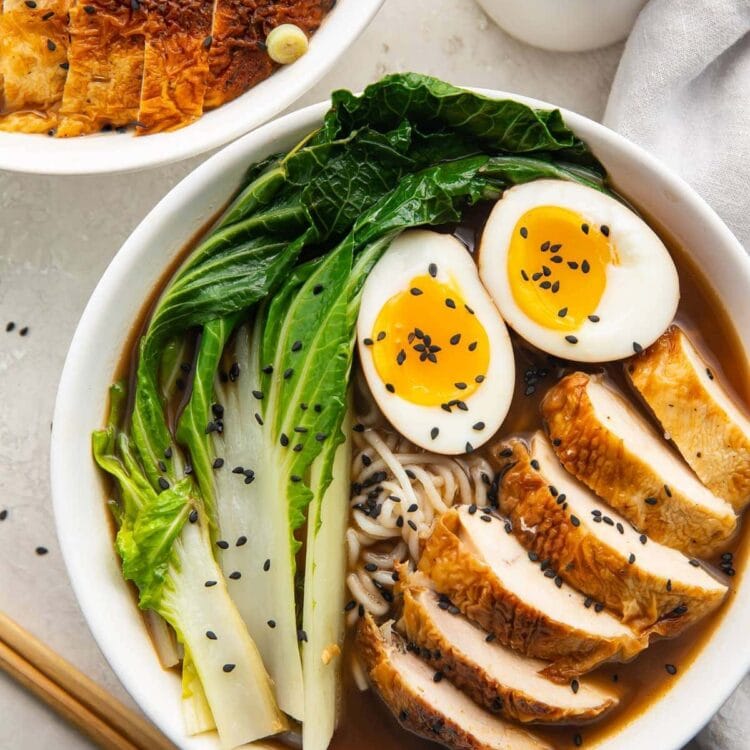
641 682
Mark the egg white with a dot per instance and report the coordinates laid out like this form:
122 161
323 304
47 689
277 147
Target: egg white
641 294
408 257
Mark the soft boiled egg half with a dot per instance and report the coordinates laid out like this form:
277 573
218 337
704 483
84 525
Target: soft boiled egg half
576 273
434 350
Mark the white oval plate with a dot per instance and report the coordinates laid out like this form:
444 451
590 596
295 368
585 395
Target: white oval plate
104 153
78 492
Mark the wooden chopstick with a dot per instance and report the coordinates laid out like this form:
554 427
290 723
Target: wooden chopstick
73 695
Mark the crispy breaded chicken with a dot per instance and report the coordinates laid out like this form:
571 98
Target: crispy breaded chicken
175 68
710 430
238 59
33 53
103 87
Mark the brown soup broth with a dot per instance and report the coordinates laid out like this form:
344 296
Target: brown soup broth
365 723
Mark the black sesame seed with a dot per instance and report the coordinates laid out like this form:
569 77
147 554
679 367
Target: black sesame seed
571 339
544 246
434 432
221 544
302 636
556 259
594 318
631 559
479 379
472 509
577 739
400 522
370 567
710 374
284 440
455 338
296 346
412 525
669 584
555 288
228 667
271 624
585 267
41 551
524 232
318 288
235 575
460 386
3 514
288 373
650 501
486 518
694 563
604 230
416 291
31 4
620 527
534 464
667 491
562 312
472 346
598 607
163 483
536 276
546 270
555 248
193 517
218 463
234 371
574 520
572 264
209 584
671 669
524 275
637 348
51 46
585 228
450 303
468 448
478 426
412 508
574 685
546 285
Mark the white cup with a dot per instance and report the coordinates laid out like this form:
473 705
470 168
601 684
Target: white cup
565 25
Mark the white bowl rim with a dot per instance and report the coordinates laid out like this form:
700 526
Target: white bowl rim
685 719
111 153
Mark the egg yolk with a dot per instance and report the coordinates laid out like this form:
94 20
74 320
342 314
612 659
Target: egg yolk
557 266
428 346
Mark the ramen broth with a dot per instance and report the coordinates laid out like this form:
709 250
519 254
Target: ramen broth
365 723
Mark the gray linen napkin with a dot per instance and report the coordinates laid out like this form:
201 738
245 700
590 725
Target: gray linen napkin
683 92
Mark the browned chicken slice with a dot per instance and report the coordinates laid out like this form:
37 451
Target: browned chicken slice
175 63
473 558
103 87
238 59
428 705
33 54
600 438
710 430
650 586
492 675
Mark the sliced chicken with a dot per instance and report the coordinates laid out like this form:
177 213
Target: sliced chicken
492 675
600 438
474 559
650 586
33 53
238 59
175 64
710 430
429 705
105 59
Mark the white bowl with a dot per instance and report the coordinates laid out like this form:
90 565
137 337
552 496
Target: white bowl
82 517
104 153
